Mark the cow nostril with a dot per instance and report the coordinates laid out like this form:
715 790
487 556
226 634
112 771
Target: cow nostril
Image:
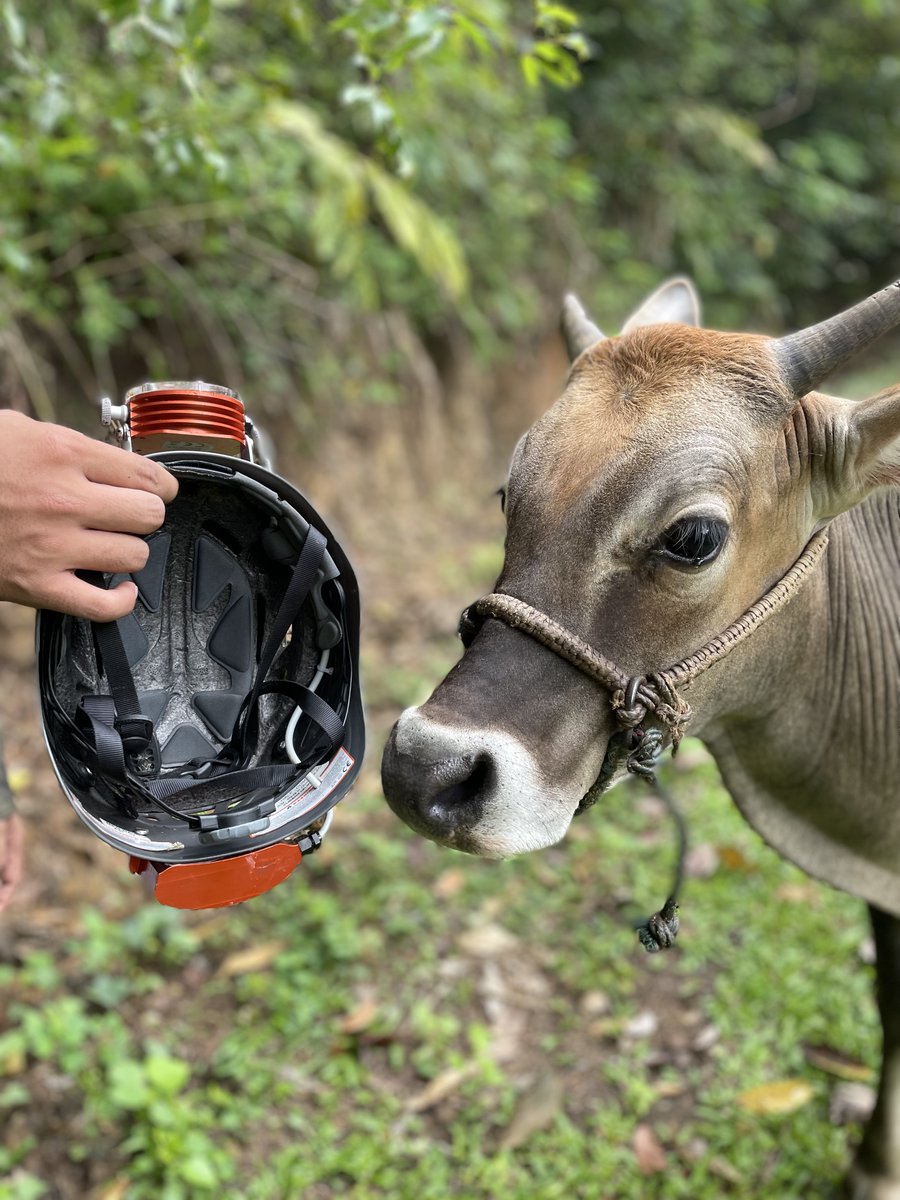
473 777
442 797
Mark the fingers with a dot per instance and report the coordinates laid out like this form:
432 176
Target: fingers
69 594
119 468
11 856
122 510
111 553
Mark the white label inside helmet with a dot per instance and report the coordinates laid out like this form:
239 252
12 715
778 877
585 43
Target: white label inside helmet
311 791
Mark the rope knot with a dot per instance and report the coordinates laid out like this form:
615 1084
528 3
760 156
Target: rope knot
629 716
673 711
651 694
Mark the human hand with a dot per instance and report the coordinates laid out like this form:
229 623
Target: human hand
70 503
11 855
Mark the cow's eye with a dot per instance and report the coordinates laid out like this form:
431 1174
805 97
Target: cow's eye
693 541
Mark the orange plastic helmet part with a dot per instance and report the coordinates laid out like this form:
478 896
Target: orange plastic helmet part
165 411
223 882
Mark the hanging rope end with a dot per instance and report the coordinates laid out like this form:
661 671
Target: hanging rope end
660 930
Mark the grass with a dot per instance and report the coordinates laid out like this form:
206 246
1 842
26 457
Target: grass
146 1061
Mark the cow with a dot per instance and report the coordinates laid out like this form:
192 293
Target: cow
695 538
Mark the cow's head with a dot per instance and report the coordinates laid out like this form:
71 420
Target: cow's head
679 475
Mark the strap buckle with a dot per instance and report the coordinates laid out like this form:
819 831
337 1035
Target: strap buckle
136 732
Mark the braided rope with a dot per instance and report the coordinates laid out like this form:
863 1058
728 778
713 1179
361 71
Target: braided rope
656 692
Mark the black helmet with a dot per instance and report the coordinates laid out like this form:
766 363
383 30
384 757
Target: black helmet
209 733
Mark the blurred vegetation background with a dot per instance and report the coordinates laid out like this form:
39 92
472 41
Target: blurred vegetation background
337 206
362 214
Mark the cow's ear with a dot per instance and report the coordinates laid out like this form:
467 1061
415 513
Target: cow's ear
876 427
862 442
676 301
578 330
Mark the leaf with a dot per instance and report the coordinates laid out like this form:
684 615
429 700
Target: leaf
538 1107
199 1172
735 133
800 891
329 151
651 1158
734 859
19 778
420 231
838 1064
167 1076
127 1085
15 26
361 1017
776 1098
642 1025
197 18
724 1170
255 958
116 1189
449 883
487 941
441 1086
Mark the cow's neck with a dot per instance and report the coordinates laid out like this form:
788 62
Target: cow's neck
811 706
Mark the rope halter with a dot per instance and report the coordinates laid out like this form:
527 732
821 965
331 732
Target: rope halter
634 698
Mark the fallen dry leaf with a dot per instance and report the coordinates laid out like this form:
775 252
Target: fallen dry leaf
18 778
14 1062
734 859
651 1158
256 958
440 1087
705 1039
723 1168
605 1027
799 891
449 883
838 1064
114 1190
538 1107
779 1096
666 1089
487 941
361 1017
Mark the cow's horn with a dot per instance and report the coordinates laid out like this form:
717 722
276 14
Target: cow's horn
807 357
578 331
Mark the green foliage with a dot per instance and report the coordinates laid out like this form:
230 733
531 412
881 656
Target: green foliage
754 146
318 199
233 188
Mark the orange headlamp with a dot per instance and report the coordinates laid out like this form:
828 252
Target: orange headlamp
182 415
218 884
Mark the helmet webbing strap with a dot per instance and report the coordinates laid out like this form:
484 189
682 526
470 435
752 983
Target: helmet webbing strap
119 730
